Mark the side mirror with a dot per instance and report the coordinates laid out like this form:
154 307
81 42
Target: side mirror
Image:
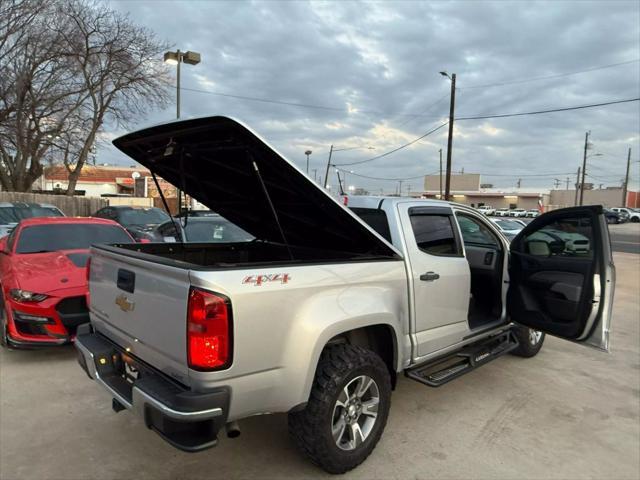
539 248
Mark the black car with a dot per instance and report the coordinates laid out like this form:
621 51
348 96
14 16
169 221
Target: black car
203 229
140 222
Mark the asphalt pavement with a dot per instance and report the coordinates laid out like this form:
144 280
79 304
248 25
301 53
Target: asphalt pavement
625 237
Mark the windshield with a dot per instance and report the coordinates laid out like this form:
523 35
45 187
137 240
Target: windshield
50 238
509 225
215 230
14 214
143 216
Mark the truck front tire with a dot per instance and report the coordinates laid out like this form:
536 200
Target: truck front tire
347 409
530 341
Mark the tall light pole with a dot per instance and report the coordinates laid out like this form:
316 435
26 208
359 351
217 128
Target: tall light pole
331 150
176 58
440 174
584 165
447 189
626 180
307 153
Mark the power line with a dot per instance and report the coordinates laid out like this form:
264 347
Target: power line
538 112
526 175
395 149
297 104
384 178
549 77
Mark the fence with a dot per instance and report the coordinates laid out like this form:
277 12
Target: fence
70 206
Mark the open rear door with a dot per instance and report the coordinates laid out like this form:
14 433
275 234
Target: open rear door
562 276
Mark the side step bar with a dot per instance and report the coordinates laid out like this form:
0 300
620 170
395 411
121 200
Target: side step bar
444 369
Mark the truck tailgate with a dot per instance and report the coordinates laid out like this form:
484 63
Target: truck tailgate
142 306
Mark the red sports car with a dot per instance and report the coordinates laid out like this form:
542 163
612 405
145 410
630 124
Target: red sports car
43 280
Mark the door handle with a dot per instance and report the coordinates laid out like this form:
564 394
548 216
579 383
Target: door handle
429 276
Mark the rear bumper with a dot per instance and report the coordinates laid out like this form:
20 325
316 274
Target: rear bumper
187 420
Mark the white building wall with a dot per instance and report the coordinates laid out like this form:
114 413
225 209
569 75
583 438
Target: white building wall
92 189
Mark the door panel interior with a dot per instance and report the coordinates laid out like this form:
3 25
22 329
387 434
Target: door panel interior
556 265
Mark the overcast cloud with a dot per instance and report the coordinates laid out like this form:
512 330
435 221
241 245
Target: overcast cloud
376 66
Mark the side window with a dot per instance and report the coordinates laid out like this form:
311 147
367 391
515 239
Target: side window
376 219
566 237
435 234
475 233
12 238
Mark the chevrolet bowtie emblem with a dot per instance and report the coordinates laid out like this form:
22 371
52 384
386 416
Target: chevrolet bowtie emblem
125 305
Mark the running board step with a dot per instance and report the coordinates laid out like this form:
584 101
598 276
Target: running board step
444 369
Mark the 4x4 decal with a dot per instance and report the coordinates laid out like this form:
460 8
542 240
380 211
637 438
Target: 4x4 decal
261 279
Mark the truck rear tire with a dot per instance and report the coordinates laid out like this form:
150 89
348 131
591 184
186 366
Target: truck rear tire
530 341
347 409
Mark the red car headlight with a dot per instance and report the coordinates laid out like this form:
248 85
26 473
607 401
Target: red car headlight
25 296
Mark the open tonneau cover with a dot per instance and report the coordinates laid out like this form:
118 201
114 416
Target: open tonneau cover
225 166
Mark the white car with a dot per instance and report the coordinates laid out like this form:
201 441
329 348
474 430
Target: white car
517 212
486 209
633 213
501 212
532 213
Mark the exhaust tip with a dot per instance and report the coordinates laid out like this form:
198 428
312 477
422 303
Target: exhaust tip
233 429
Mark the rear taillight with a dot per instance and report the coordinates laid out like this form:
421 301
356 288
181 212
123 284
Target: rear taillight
208 330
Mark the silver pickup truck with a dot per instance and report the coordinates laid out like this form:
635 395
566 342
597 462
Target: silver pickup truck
319 314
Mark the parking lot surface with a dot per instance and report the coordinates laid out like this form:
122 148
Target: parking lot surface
570 412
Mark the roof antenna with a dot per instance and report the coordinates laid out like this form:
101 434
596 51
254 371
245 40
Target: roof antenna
273 210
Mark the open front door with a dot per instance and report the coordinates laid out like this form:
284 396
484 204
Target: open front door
562 276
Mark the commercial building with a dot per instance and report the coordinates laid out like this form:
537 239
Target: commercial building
94 180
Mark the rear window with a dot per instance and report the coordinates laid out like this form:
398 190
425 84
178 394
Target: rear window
434 234
14 214
49 238
376 219
143 216
218 231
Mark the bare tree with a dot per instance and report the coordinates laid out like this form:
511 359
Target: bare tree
119 64
70 66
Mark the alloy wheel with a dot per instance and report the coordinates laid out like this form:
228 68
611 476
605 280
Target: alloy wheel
355 412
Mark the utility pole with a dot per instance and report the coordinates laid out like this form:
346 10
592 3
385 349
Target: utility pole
626 180
556 182
447 191
440 174
519 182
315 175
567 188
584 166
307 153
575 202
399 188
326 173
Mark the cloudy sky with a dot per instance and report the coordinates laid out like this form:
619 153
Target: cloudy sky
366 75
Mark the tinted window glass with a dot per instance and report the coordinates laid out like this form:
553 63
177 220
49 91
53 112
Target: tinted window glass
569 237
143 216
376 219
509 225
475 233
434 234
49 238
214 230
15 214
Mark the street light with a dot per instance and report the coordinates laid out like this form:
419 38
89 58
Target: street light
307 153
176 58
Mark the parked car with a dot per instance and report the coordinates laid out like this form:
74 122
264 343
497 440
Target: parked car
509 227
197 213
326 308
501 212
532 213
486 209
43 280
611 216
517 212
200 229
139 221
568 242
629 214
12 212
